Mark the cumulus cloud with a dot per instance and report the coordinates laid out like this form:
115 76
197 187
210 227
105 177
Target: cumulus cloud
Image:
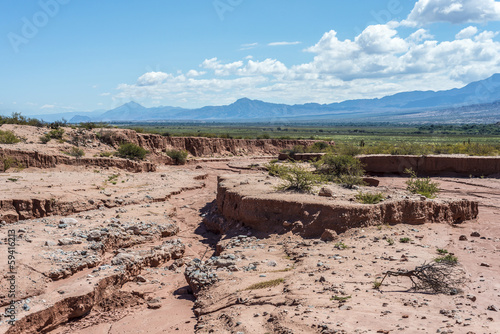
219 68
194 73
420 35
377 62
453 11
380 39
466 33
152 78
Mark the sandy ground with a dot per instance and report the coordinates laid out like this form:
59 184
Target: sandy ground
321 287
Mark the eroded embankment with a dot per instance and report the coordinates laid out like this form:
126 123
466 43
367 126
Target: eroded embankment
432 164
263 209
40 160
199 146
13 210
97 290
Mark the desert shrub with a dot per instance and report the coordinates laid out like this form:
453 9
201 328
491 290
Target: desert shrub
295 149
7 162
56 133
298 179
8 137
105 154
369 198
45 138
76 152
448 259
349 149
58 124
276 169
179 156
340 245
131 151
404 240
93 125
340 298
442 251
264 136
349 181
17 118
337 165
422 186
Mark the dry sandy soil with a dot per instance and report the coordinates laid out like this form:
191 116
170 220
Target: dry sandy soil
117 257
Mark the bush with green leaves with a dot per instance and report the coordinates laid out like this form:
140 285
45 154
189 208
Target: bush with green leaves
179 156
276 169
45 138
423 186
337 165
342 169
370 198
131 151
298 179
448 259
56 133
76 152
8 137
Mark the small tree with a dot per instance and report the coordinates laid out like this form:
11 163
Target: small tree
132 151
180 157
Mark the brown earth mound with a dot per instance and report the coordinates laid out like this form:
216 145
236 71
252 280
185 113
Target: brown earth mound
432 164
256 204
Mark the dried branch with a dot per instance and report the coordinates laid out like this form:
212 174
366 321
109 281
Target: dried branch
442 277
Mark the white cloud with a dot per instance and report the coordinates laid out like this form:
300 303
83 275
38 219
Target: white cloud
266 67
152 78
221 69
453 11
466 32
194 73
48 106
283 43
105 94
375 63
419 35
380 39
248 46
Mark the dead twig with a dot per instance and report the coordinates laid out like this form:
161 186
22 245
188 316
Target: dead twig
436 277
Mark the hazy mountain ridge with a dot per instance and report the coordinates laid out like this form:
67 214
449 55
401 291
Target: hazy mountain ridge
479 97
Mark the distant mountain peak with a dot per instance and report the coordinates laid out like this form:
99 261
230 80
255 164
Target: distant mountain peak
133 104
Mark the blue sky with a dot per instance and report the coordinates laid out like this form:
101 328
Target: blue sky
74 55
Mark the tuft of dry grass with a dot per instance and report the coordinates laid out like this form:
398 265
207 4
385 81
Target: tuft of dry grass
266 284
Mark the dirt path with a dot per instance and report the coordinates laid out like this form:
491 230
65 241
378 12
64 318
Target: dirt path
176 311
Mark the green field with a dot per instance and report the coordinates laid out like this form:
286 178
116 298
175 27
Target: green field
359 139
348 133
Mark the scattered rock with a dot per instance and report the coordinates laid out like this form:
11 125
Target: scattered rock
68 221
326 192
493 308
462 238
475 234
329 235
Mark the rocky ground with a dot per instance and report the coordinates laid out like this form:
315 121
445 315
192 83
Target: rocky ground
131 254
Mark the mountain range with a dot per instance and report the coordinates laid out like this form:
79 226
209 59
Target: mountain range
477 102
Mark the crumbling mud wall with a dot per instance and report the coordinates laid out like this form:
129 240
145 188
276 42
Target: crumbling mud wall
199 146
41 160
310 216
432 164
